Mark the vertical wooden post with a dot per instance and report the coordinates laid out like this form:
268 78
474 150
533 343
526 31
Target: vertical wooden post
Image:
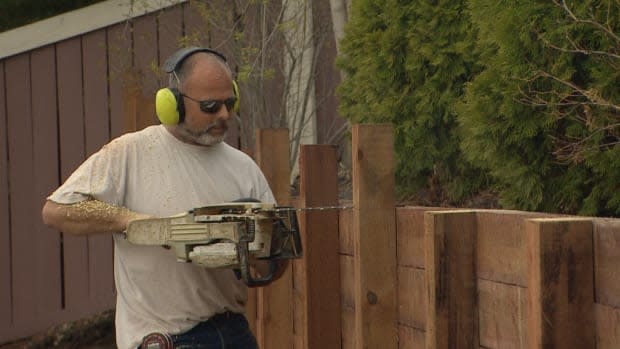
274 303
452 312
374 220
317 274
561 283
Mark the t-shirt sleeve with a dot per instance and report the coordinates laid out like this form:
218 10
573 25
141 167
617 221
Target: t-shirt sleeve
267 196
101 176
264 191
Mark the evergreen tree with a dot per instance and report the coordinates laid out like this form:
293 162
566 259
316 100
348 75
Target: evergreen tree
542 117
406 62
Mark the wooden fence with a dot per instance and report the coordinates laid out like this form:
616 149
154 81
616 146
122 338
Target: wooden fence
373 276
376 275
423 277
59 103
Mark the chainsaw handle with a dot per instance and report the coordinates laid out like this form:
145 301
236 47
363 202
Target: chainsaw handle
252 282
245 274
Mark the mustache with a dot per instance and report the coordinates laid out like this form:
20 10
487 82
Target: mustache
216 123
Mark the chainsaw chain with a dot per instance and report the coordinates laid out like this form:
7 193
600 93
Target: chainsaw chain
322 208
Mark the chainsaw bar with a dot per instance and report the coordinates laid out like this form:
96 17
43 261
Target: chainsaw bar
320 208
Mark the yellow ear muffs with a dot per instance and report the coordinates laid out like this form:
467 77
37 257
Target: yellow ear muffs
169 106
237 105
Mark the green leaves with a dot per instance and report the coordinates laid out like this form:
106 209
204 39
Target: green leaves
407 64
521 97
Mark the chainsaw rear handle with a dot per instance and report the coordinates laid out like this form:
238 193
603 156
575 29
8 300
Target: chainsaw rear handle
245 274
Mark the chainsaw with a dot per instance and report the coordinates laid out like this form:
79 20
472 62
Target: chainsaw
231 235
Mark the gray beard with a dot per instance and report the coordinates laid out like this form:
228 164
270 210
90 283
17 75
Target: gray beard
202 137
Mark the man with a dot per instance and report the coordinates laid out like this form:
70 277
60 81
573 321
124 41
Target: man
161 171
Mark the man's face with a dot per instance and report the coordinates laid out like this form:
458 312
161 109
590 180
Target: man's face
209 80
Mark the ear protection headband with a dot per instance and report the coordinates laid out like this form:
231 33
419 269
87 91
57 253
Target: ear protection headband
169 105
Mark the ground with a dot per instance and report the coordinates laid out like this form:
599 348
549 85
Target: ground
96 332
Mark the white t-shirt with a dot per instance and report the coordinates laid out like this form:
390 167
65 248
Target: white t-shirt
152 172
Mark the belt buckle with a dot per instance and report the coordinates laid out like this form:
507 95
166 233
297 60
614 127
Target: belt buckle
157 340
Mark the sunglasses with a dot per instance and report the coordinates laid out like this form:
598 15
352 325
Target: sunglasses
212 106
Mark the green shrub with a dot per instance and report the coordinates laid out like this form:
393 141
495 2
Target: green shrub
406 62
538 117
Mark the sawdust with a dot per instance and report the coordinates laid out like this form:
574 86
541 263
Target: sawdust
112 218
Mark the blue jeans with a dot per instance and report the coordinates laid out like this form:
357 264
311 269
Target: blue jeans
223 331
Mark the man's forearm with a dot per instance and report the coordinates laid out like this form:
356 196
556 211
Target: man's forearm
87 217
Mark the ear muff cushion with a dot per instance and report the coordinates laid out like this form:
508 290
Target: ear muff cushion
237 105
167 107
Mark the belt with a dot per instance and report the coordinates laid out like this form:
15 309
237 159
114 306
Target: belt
158 340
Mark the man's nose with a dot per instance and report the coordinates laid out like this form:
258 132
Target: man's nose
223 113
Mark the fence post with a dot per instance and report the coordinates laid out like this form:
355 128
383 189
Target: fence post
316 278
452 310
560 283
274 303
374 220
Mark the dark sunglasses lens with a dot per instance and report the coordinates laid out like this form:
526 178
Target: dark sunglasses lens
212 106
230 103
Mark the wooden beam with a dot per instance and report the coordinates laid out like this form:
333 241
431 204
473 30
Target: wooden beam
606 261
561 283
503 315
412 297
607 327
375 236
274 312
452 311
318 279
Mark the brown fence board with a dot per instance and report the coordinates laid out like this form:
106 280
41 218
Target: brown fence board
607 261
21 177
46 242
503 315
97 131
145 57
145 69
560 284
299 319
375 240
411 338
320 279
170 33
607 326
71 128
347 281
195 27
5 215
274 312
412 297
410 236
345 231
452 313
219 35
119 47
348 327
502 246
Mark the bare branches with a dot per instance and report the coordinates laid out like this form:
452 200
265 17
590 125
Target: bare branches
577 100
604 28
